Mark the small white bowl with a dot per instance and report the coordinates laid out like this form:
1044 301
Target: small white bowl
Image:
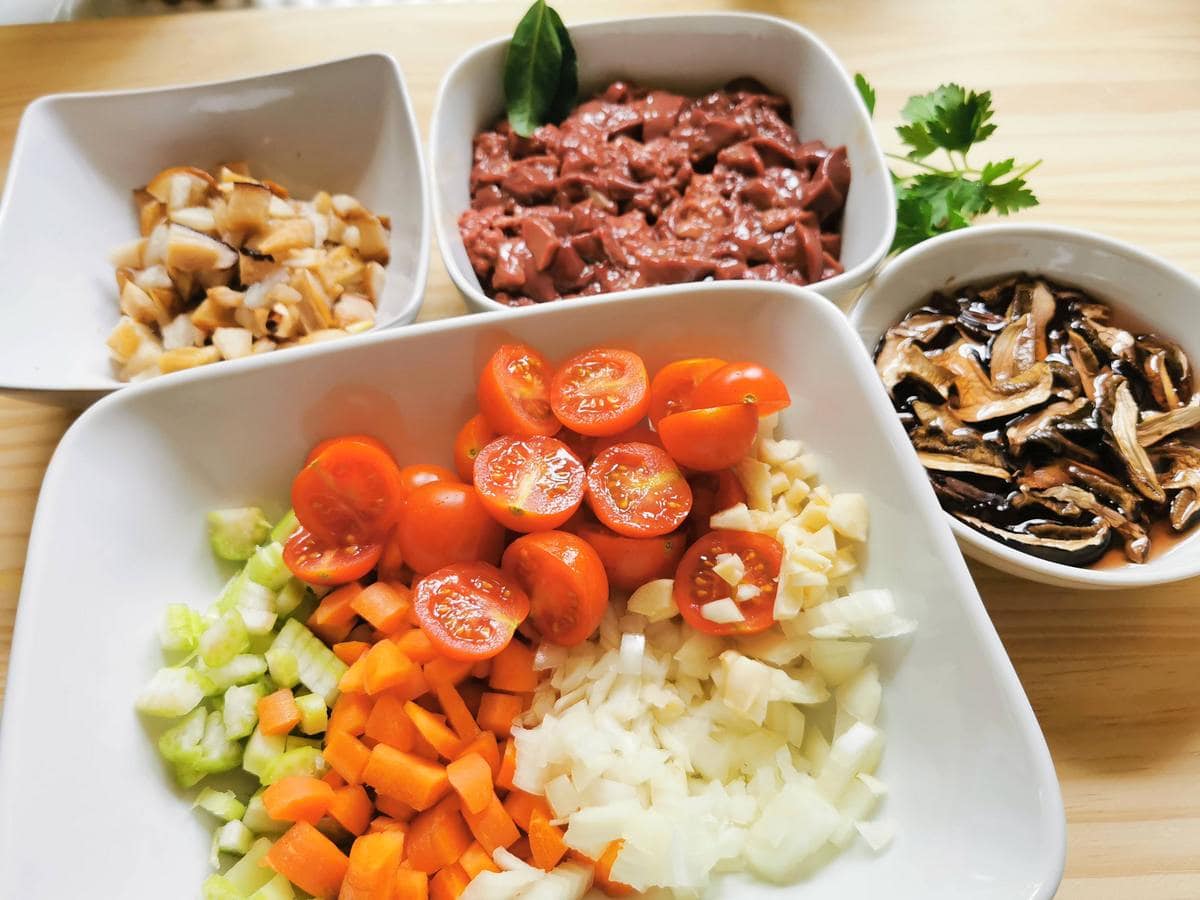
971 789
345 126
1157 294
690 53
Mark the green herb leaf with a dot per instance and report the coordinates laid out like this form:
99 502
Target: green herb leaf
950 117
540 70
918 139
1010 196
866 92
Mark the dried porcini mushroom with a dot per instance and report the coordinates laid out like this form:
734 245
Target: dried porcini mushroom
1044 421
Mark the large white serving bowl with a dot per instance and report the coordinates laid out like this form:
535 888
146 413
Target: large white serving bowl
345 126
691 53
120 532
1156 294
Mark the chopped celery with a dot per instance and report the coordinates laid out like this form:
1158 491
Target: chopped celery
234 837
258 622
218 887
181 628
320 669
266 566
236 533
261 750
249 873
216 752
278 888
314 715
240 714
289 597
284 669
301 761
224 639
284 527
183 739
222 804
173 691
295 742
241 669
254 603
308 604
258 821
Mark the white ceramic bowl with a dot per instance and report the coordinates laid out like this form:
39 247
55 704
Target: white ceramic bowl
345 126
1161 296
971 787
690 53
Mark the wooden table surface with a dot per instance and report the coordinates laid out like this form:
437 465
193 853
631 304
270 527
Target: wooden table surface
1106 92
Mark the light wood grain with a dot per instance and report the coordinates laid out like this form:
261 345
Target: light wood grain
1107 93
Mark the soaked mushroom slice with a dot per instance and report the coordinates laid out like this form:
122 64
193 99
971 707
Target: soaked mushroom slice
1116 343
1119 419
1078 501
922 327
1178 465
979 399
1084 360
1071 545
1165 367
1052 428
1023 341
901 359
954 493
965 452
1185 509
1128 503
1155 428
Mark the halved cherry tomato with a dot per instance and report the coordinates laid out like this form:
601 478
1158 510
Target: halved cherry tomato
529 484
316 563
631 562
638 491
712 492
710 439
697 584
473 437
674 383
742 382
357 438
444 523
565 581
469 610
514 392
601 391
638 434
350 494
412 477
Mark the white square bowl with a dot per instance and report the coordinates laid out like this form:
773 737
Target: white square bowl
345 126
691 53
119 533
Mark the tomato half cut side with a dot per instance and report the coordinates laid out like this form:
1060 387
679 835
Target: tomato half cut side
414 476
565 581
444 522
710 439
529 484
356 438
514 392
472 437
601 391
743 382
350 494
469 610
631 562
638 491
314 562
672 387
696 584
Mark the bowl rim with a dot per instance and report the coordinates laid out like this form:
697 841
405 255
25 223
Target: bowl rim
37 389
975 544
466 281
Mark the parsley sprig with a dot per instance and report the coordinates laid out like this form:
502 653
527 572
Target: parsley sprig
932 200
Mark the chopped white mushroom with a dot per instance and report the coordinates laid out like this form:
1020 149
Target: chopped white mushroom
232 343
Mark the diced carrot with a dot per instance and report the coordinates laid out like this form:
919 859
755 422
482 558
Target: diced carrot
351 681
416 646
424 749
346 755
437 837
508 766
456 711
412 687
374 859
333 779
471 691
471 778
410 884
416 781
604 865
545 841
297 798
445 741
333 618
497 711
349 651
351 808
309 860
389 725
398 810
386 667
493 827
386 823
520 849
448 883
485 745
482 669
350 712
521 806
475 860
512 670
384 605
278 712
444 670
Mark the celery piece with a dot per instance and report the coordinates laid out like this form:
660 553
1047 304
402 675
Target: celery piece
181 628
278 888
217 752
285 527
234 837
262 749
314 715
184 738
224 639
301 761
218 887
240 714
242 669
258 821
307 606
249 873
320 669
295 742
282 665
289 597
258 622
236 533
266 566
222 804
173 691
